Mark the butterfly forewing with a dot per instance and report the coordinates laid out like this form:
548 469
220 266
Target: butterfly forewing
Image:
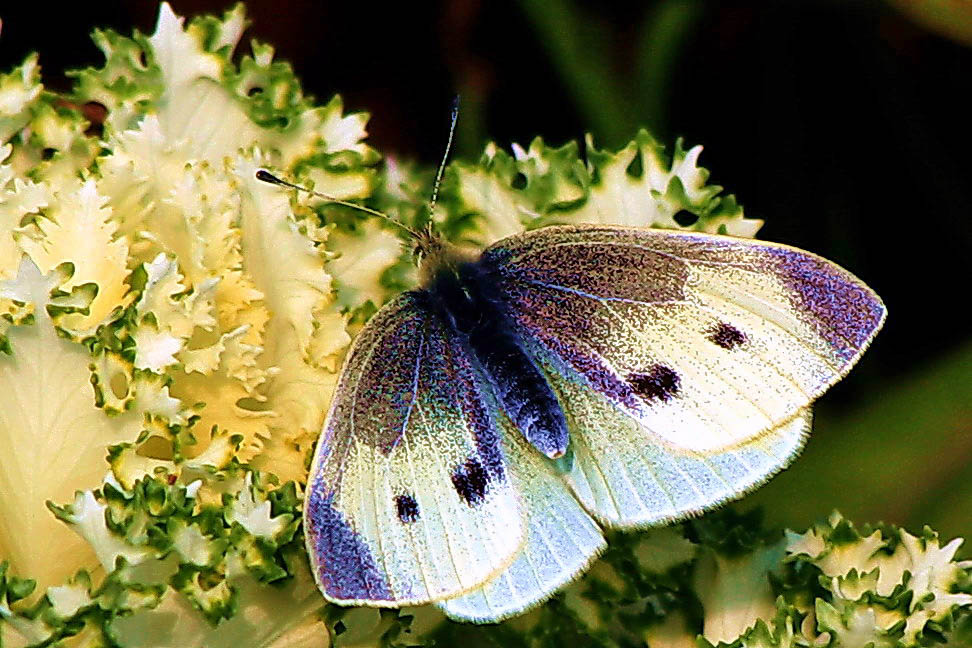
409 496
707 341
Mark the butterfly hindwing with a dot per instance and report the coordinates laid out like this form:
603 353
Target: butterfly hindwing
409 498
562 540
625 478
700 344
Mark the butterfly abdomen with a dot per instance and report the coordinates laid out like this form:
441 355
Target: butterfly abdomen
464 300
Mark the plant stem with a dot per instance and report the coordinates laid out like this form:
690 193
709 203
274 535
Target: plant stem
576 47
664 32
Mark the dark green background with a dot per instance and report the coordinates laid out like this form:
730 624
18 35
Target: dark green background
845 127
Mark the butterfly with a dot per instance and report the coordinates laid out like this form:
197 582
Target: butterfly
487 425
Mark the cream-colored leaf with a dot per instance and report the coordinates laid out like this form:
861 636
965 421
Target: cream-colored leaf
18 198
78 229
360 259
53 439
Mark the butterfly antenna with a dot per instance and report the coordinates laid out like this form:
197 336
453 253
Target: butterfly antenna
266 176
445 156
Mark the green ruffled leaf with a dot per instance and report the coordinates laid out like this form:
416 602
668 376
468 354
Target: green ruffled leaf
636 185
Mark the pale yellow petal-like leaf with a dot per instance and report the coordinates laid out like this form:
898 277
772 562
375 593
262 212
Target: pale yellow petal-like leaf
53 439
79 229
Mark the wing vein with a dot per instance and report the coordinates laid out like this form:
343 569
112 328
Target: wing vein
661 486
689 480
411 466
374 510
445 530
581 293
749 469
728 486
607 485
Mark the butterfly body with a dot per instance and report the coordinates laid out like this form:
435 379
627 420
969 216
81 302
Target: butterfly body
488 424
463 296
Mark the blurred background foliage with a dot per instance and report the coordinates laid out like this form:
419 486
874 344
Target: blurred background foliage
845 125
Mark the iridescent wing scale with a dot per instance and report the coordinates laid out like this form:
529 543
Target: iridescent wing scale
409 498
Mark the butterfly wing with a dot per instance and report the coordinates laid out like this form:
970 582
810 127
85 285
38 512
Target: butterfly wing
705 342
616 472
562 540
409 498
626 478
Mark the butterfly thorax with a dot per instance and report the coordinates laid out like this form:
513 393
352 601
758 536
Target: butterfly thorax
435 256
463 293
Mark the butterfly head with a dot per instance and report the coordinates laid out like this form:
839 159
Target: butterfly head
433 255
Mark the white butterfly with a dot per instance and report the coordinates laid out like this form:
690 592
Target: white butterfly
488 425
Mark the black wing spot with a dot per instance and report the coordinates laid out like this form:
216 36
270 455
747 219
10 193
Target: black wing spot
726 336
407 508
471 481
660 383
